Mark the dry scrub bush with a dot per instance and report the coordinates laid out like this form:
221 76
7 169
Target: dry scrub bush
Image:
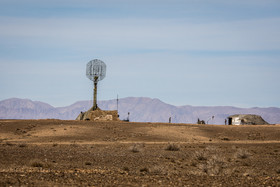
242 153
125 168
74 144
200 155
145 169
157 170
137 148
88 163
211 162
55 144
9 144
215 165
22 145
39 163
172 147
36 163
205 153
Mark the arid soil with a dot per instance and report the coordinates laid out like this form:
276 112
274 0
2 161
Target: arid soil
83 153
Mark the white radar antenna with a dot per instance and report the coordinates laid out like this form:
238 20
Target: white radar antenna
96 71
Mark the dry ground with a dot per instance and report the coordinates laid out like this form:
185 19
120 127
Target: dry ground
80 153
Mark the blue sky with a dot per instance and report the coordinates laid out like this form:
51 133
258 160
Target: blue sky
184 52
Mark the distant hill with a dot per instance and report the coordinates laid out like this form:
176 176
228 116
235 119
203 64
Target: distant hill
141 109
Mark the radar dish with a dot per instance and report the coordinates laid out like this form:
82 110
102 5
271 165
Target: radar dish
96 70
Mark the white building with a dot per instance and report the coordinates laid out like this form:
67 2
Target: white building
246 119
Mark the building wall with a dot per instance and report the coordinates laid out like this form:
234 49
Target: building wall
236 121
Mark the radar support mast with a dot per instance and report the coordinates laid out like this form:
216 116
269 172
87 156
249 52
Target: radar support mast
95 94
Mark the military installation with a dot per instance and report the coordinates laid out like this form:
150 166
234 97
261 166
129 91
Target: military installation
96 71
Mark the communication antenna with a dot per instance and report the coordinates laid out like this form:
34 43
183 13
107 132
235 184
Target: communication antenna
96 71
118 103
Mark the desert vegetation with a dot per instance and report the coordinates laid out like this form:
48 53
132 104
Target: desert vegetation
136 154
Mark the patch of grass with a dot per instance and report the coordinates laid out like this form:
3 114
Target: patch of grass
125 168
215 165
55 144
145 169
225 139
242 154
245 164
88 163
136 148
9 144
200 155
157 170
172 147
74 144
37 163
194 164
211 161
22 145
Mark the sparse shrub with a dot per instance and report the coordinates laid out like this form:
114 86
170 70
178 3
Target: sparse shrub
215 165
9 144
88 163
225 139
245 164
205 153
55 144
74 144
200 155
125 168
136 148
144 170
211 162
194 164
22 145
36 163
172 147
156 170
211 150
242 153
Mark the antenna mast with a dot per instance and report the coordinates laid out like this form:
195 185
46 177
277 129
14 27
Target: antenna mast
118 103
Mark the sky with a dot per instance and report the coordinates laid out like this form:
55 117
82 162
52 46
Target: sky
183 52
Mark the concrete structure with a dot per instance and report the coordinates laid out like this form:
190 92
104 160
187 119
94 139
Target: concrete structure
99 115
246 119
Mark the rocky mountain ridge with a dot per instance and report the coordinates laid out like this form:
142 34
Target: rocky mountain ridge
141 109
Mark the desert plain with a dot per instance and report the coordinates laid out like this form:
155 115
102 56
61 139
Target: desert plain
84 153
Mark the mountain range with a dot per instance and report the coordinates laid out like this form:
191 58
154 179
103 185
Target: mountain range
140 109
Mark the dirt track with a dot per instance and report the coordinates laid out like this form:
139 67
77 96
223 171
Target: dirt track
56 152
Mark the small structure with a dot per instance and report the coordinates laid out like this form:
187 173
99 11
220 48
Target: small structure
200 121
246 119
99 115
